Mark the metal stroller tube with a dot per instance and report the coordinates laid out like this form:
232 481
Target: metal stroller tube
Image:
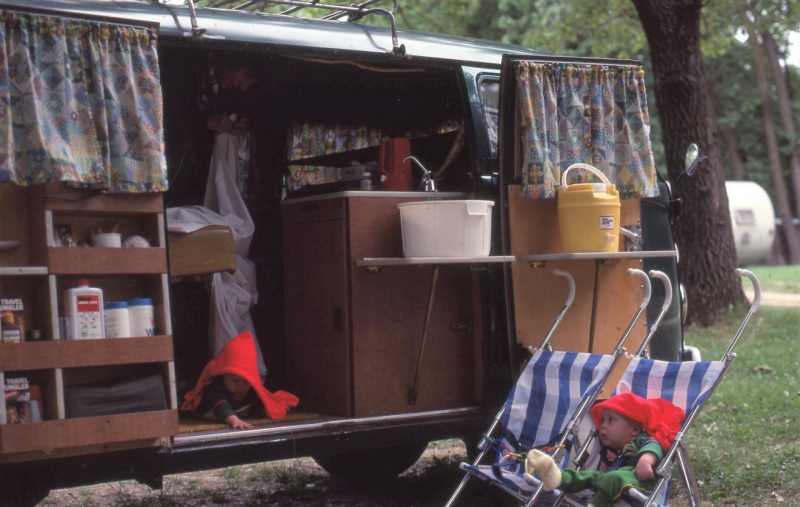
570 298
645 300
753 308
664 308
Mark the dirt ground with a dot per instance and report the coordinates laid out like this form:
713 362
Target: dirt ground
297 482
300 482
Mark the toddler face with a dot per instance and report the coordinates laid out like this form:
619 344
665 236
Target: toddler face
616 430
236 385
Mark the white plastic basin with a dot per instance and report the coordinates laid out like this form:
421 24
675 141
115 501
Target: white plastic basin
446 228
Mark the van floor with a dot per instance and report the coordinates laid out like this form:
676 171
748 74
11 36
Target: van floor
189 425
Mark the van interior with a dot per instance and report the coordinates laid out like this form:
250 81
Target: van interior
394 98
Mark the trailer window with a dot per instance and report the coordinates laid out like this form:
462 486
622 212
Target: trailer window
490 99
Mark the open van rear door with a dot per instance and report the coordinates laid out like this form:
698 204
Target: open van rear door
606 297
79 396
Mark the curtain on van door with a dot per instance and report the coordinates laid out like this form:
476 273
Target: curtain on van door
584 113
80 101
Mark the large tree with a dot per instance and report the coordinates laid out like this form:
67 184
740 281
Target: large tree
703 231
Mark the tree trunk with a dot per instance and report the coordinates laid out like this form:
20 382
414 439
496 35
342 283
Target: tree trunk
773 155
784 113
733 153
703 231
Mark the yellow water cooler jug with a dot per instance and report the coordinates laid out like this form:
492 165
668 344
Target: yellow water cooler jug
588 213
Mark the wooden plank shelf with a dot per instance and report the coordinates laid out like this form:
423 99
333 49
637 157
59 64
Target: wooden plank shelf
84 353
107 261
23 271
103 430
599 255
63 199
422 261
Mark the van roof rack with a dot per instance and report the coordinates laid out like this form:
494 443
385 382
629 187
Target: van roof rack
354 12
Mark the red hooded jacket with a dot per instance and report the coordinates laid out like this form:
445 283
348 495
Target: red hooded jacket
239 357
659 418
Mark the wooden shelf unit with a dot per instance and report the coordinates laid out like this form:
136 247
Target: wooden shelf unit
107 261
86 353
88 431
42 271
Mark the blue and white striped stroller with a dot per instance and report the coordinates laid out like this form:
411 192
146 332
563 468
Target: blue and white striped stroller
687 385
545 406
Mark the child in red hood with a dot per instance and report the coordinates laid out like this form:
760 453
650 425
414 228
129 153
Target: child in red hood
634 432
230 387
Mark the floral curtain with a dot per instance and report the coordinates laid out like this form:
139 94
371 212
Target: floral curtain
80 102
584 113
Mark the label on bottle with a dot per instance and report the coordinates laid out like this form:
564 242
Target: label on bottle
88 317
11 335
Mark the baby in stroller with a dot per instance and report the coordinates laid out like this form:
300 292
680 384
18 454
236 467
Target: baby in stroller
634 432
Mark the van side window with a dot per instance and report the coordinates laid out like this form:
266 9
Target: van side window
490 98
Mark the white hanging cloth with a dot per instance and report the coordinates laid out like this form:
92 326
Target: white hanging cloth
232 295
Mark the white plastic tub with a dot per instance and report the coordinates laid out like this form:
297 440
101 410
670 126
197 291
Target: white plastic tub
446 228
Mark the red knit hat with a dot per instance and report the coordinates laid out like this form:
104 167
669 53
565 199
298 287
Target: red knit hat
659 418
239 357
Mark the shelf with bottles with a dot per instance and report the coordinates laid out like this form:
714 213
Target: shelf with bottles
26 299
430 143
122 288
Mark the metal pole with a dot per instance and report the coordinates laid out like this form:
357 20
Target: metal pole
412 397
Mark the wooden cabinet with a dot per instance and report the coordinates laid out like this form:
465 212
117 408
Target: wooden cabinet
354 335
39 272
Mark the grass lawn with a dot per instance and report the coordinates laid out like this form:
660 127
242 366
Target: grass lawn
745 447
777 278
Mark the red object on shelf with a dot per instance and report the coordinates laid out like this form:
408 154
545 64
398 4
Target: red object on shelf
395 174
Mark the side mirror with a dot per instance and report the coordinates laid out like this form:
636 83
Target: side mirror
691 155
693 161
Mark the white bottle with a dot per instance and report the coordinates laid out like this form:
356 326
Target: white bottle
83 306
115 314
141 317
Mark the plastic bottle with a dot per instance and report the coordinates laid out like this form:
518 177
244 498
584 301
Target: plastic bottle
11 331
83 305
142 318
117 322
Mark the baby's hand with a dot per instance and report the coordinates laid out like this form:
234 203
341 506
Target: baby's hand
644 467
237 424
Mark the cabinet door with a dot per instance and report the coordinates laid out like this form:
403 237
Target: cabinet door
317 316
389 310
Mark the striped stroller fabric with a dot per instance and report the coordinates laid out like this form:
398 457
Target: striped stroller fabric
546 396
549 392
684 384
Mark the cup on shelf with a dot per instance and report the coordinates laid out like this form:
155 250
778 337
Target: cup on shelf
107 240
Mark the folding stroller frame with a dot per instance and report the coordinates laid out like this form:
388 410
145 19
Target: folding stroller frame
570 428
700 380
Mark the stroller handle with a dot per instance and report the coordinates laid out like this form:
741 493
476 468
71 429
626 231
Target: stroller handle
667 287
756 287
641 352
570 281
645 285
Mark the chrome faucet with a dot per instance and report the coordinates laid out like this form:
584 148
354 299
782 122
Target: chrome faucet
428 184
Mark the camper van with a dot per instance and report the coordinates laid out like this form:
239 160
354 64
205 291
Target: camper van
348 138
